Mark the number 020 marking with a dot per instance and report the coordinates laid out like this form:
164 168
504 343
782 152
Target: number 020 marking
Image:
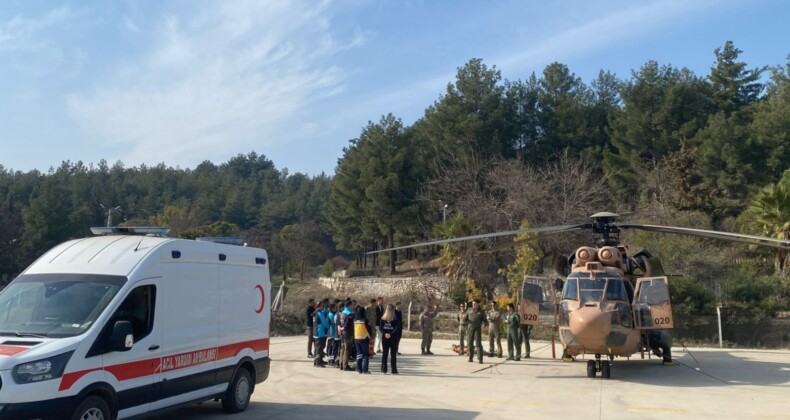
661 320
530 317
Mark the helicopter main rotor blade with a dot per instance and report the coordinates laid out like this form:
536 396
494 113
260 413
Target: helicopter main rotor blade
712 234
552 229
505 246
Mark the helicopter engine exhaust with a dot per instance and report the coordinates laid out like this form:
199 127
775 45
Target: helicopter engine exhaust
584 255
609 256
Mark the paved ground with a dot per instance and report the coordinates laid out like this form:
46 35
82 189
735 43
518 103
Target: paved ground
708 383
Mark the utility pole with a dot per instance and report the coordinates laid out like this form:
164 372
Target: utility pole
444 211
109 212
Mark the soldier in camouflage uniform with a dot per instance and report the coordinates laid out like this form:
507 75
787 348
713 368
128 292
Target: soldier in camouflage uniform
426 328
474 331
494 317
463 322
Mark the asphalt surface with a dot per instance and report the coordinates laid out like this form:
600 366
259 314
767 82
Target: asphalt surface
706 383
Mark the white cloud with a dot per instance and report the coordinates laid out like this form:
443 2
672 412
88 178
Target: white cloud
579 35
216 82
614 27
21 33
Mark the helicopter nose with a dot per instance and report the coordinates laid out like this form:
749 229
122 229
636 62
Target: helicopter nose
590 323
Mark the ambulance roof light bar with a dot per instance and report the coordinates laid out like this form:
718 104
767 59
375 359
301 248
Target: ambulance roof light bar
131 230
229 240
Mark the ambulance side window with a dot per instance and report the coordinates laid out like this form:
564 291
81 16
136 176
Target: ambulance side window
138 308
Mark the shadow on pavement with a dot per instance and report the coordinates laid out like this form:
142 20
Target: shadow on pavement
709 369
264 410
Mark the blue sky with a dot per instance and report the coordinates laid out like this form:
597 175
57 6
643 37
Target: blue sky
187 81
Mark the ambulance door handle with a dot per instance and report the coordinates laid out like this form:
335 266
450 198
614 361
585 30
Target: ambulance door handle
154 347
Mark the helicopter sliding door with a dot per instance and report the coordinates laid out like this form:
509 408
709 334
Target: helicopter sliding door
538 304
652 309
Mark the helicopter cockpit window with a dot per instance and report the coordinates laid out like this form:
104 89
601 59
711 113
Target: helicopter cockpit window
654 293
570 291
591 290
532 292
615 290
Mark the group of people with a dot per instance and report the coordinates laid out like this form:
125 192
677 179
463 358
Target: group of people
470 329
341 331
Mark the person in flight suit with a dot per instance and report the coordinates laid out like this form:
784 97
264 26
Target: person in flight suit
494 317
474 331
513 321
463 323
426 328
525 331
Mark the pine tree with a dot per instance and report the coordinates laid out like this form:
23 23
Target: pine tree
733 85
468 121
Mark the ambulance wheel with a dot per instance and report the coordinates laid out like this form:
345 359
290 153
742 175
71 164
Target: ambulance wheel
239 392
606 370
92 408
591 370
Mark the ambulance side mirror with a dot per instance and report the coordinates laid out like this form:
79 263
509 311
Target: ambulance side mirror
121 338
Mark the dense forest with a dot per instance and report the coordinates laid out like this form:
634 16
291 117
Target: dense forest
247 196
664 145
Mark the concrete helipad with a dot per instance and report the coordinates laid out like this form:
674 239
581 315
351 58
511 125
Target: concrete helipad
707 383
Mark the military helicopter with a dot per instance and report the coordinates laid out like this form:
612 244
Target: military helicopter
614 303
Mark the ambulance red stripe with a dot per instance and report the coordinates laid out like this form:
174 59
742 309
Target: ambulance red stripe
11 350
148 367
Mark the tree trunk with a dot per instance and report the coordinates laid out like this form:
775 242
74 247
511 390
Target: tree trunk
393 254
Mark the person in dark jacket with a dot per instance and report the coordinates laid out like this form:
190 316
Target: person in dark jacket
390 328
399 315
379 314
309 315
346 329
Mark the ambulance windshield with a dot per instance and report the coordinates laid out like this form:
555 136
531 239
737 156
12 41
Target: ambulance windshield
55 305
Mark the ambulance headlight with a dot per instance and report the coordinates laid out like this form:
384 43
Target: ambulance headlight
41 370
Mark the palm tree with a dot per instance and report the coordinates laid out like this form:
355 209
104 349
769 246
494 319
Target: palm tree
769 214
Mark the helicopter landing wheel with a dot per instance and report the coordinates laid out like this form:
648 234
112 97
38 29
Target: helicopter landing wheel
591 370
606 369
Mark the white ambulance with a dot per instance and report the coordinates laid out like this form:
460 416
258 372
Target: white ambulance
133 322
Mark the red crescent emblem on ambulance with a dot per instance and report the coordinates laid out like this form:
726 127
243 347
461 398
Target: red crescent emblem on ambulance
263 299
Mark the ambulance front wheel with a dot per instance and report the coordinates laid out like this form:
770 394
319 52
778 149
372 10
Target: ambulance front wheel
237 397
92 408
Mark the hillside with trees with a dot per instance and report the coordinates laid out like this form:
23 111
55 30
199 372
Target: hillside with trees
663 145
246 196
